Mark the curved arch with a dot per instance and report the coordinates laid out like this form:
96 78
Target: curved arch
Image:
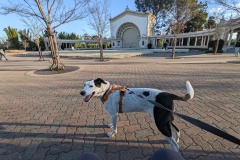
125 26
129 34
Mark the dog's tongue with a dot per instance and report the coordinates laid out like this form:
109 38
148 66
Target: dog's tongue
87 98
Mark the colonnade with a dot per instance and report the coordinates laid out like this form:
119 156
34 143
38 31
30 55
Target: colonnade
198 39
69 43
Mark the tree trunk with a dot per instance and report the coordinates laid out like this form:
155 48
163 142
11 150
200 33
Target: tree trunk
40 54
216 46
174 47
101 48
56 65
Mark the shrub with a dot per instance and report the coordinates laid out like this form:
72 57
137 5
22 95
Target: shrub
149 46
104 46
212 51
212 44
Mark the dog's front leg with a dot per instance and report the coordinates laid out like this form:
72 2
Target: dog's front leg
114 124
110 125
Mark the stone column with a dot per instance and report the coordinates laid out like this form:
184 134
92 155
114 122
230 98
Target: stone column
59 46
188 41
225 38
155 39
195 44
208 39
230 38
238 36
46 45
205 37
202 41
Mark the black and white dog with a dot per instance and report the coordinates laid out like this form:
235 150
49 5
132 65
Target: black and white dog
133 103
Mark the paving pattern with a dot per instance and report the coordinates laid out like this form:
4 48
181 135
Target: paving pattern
44 117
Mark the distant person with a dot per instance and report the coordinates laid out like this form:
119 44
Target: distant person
237 48
161 154
165 45
2 54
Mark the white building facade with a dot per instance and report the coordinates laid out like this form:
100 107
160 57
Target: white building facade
130 29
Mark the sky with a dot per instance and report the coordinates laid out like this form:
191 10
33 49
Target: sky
79 27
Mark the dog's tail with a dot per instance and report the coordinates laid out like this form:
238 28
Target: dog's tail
188 96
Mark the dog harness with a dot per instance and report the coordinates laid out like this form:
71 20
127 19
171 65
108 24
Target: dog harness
113 89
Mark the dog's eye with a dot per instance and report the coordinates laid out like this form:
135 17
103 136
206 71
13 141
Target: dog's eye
84 85
91 86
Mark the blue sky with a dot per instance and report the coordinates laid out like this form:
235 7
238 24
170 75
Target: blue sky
79 27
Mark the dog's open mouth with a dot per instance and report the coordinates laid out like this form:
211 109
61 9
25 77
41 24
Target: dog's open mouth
88 97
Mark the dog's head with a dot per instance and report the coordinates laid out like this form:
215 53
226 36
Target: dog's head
96 87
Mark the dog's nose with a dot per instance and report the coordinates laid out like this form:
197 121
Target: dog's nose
82 93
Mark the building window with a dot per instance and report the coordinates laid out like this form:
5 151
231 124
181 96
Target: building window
113 43
143 43
118 43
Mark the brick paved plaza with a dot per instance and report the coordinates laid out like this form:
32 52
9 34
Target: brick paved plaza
44 116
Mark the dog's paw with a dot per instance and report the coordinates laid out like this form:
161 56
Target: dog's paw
110 125
111 134
177 140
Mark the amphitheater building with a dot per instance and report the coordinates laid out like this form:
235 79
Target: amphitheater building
131 29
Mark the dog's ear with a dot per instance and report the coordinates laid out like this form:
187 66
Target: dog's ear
99 81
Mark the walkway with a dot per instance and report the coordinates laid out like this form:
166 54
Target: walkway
44 117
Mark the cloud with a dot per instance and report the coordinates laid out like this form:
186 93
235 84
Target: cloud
238 5
214 10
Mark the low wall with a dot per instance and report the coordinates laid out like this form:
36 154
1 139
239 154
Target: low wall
169 50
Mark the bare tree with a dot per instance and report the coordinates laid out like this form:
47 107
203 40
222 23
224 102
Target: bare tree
99 20
36 29
181 12
3 39
25 44
221 27
5 42
233 5
52 14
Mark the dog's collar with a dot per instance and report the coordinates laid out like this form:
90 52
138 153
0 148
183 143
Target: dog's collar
105 96
112 89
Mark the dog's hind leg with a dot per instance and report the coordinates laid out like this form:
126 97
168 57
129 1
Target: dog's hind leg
173 143
165 129
164 126
114 124
177 132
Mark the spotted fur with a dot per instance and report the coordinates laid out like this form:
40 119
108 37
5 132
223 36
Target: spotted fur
133 103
